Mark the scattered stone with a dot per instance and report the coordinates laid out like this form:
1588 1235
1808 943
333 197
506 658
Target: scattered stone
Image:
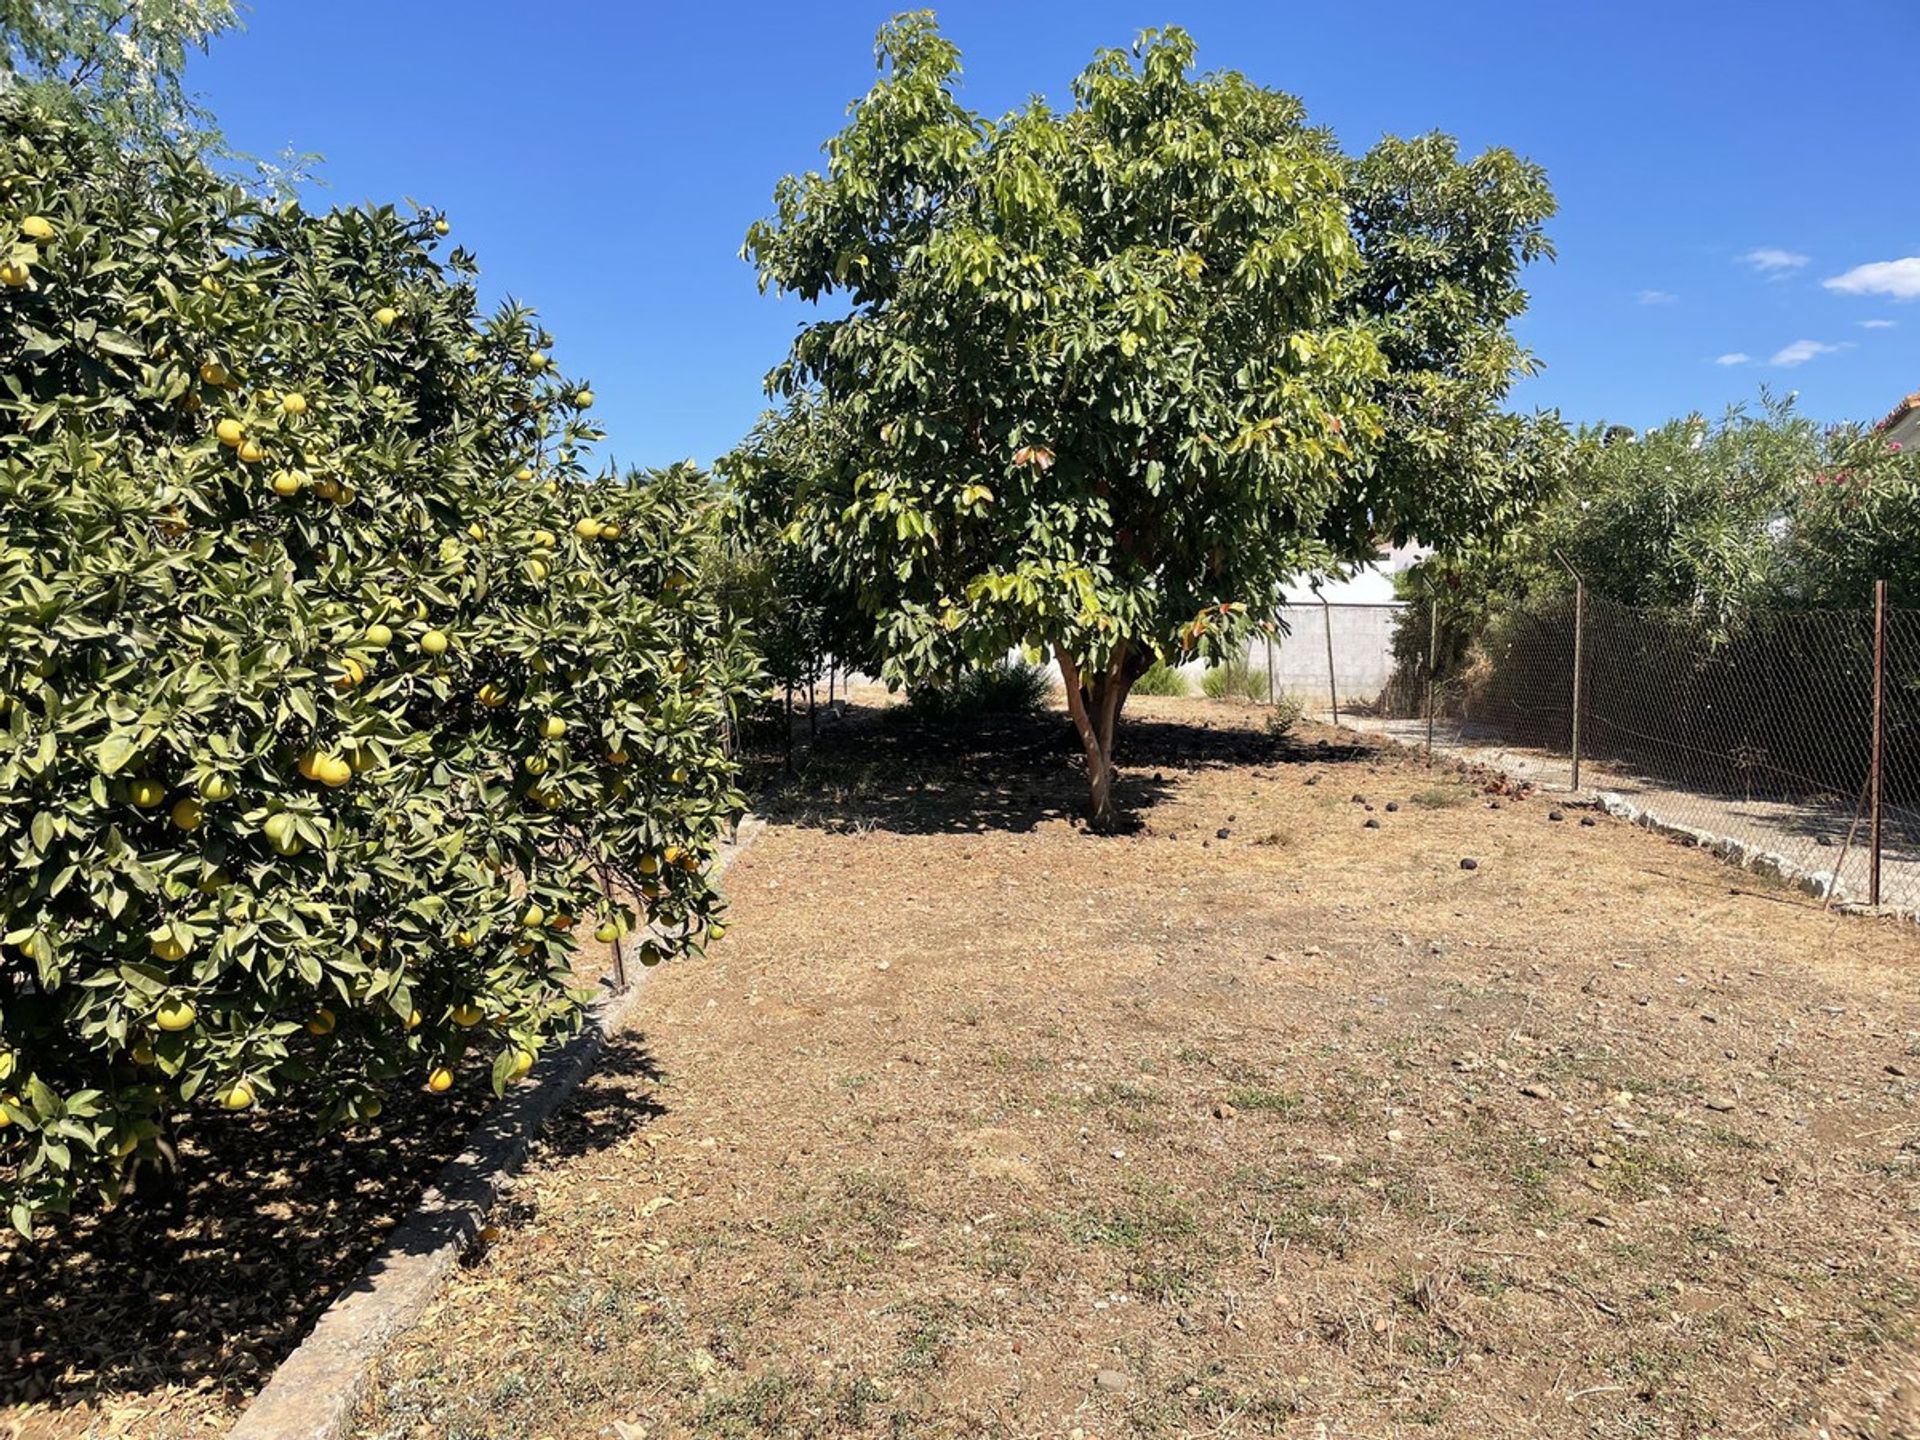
1469 863
1311 780
1720 1103
1493 804
1368 808
1823 840
1599 1159
1393 807
1224 1111
1372 825
1359 799
883 965
1396 1136
1222 833
1536 1092
1112 1381
1588 820
1555 815
1601 1220
1118 1154
1896 1070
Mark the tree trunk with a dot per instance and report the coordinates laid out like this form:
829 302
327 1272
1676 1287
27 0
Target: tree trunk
1095 702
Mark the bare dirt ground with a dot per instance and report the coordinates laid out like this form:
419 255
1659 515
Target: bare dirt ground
1256 1121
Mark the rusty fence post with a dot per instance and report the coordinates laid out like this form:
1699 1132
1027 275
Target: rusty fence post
1273 695
1433 654
1579 648
1876 765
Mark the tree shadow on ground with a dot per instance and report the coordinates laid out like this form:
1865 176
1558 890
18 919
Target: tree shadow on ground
885 769
210 1285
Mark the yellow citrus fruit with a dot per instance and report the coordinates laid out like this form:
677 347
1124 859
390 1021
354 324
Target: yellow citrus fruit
173 1015
464 939
211 284
327 488
281 834
288 483
146 793
553 727
37 227
322 1022
616 757
492 696
352 672
332 771
716 930
587 529
583 398
379 636
413 1020
434 642
251 452
544 540
385 316
293 403
167 948
466 1015
607 933
187 813
679 775
534 765
239 1096
536 362
650 955
610 531
214 373
440 1080
14 274
522 1063
534 917
230 432
143 1052
216 788
345 495
536 571
523 474
649 865
362 760
441 227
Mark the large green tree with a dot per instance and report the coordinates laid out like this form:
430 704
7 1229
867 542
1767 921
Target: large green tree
1100 379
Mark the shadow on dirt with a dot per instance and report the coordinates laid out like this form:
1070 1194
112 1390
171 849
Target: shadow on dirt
210 1285
884 769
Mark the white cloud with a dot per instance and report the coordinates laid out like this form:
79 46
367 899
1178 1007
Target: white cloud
1878 324
1801 351
1736 357
1656 297
1771 260
1898 278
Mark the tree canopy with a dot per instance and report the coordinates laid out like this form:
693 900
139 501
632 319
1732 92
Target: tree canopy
1101 379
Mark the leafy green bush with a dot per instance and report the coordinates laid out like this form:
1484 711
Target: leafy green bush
1013 687
1234 679
334 691
1161 679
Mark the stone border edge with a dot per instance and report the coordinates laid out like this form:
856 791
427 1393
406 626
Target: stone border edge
315 1392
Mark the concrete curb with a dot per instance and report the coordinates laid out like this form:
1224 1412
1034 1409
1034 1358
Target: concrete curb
314 1393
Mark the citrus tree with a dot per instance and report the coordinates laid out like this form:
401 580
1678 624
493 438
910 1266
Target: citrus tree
1100 380
337 697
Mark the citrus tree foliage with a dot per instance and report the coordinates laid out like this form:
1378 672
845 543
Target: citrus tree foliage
335 695
122 59
1103 378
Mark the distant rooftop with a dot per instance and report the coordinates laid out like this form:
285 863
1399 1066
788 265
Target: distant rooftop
1902 427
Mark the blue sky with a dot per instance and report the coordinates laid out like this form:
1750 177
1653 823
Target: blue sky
1719 166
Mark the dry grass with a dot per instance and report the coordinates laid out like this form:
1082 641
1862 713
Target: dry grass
1301 1131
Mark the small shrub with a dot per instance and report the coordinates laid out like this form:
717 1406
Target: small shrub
1162 679
1235 680
1012 687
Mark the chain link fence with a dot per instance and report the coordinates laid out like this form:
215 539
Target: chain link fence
1756 732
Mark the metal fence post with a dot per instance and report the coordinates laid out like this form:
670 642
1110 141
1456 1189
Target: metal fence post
1333 689
1876 764
1433 653
1273 695
1579 640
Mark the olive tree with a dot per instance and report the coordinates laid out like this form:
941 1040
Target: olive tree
1099 380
